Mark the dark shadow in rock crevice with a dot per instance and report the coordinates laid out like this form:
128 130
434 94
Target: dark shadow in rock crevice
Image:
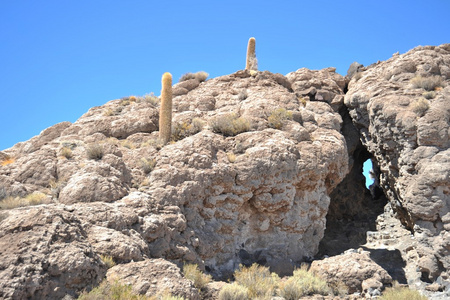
353 208
391 261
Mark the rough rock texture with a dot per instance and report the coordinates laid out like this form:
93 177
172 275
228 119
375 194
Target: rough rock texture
194 204
262 195
154 276
410 144
355 269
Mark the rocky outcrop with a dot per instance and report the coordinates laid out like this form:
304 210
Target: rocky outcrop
401 109
258 193
259 196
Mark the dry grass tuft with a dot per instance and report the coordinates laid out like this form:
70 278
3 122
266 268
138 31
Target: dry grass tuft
303 283
427 83
66 152
397 292
147 165
420 106
258 280
35 198
114 290
233 291
184 129
193 273
278 117
230 125
7 161
108 261
94 151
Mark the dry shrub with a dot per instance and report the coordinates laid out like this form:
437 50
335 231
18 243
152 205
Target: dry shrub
231 157
128 144
397 292
193 273
427 83
242 95
200 76
94 151
258 280
429 95
108 261
35 198
233 291
149 98
182 130
278 117
66 152
111 290
303 283
420 106
303 101
230 125
147 165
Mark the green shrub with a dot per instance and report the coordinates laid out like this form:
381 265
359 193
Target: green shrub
278 117
420 106
427 83
94 151
193 273
396 292
200 76
303 283
233 291
182 130
257 279
229 125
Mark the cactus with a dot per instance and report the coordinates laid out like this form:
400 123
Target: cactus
165 112
252 62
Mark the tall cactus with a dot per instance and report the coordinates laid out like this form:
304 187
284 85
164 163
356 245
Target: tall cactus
165 111
252 62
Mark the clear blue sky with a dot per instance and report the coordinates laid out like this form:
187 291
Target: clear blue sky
59 58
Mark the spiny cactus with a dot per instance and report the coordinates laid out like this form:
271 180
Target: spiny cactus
252 62
165 112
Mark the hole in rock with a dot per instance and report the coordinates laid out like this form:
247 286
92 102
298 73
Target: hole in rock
367 170
353 207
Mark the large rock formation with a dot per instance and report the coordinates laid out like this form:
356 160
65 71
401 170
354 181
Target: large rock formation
259 196
257 192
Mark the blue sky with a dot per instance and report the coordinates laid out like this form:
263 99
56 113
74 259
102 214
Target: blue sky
59 58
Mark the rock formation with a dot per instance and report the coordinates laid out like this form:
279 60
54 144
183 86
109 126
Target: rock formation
259 194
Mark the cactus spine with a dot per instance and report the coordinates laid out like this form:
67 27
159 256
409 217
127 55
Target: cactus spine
252 63
165 111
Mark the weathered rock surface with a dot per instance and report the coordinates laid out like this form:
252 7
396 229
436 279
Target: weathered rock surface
219 201
408 136
152 277
355 269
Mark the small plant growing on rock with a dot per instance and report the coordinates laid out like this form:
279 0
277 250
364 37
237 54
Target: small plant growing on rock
35 198
108 261
147 165
193 273
184 129
111 290
429 95
66 152
303 101
230 125
233 291
150 98
397 292
303 283
200 76
7 160
94 151
420 106
427 83
278 117
258 280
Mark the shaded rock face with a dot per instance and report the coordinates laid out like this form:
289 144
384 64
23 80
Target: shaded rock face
404 123
265 203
